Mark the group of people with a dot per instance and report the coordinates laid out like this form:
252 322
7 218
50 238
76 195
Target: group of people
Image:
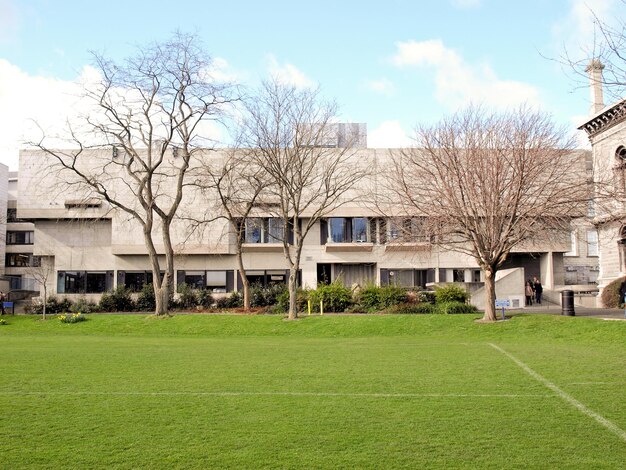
533 291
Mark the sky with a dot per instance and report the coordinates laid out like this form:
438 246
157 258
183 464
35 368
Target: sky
392 64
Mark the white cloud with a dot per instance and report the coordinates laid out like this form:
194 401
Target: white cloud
580 137
457 83
577 29
389 134
36 105
383 86
289 74
466 4
221 71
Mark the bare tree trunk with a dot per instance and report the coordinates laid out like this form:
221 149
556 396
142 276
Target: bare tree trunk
244 280
293 286
490 295
45 299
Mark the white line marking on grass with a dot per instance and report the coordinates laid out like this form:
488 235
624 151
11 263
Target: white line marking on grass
289 394
565 396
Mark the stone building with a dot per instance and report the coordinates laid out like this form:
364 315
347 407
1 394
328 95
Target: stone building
606 129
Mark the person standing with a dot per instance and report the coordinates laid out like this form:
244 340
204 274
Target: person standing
2 300
528 291
538 289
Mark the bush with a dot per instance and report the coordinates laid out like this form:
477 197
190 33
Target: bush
82 305
302 301
3 321
73 318
373 298
146 301
335 296
188 298
53 306
118 300
451 293
610 294
419 308
205 298
234 300
453 308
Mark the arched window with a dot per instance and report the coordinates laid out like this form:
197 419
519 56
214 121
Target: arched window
620 171
620 154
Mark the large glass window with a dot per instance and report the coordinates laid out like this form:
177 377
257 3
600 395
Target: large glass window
573 244
195 279
81 282
359 229
216 281
136 280
20 237
254 230
348 229
20 260
264 230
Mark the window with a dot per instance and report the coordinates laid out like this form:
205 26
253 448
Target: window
12 215
20 260
20 238
216 281
406 277
592 243
348 230
458 275
264 230
134 280
84 282
573 244
266 277
410 230
195 279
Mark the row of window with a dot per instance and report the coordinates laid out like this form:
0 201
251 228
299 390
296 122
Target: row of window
222 281
340 230
26 237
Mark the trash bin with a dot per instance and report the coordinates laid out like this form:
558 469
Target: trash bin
567 303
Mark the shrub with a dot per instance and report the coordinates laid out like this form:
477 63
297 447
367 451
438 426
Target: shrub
146 301
72 318
610 294
373 298
335 296
118 300
234 300
53 306
205 298
419 308
302 301
83 305
450 293
452 308
3 321
188 298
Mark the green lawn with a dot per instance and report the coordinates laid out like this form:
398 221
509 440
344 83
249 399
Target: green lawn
364 391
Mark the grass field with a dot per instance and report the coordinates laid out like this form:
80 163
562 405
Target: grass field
361 391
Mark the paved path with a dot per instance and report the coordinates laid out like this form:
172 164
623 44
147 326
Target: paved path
554 309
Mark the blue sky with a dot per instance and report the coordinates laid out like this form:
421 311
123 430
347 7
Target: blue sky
390 64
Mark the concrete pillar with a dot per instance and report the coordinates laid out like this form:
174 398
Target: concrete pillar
594 69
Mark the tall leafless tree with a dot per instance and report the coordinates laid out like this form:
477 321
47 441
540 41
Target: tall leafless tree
152 112
236 182
289 133
486 182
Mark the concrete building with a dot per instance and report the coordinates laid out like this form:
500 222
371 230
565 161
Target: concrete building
94 247
606 129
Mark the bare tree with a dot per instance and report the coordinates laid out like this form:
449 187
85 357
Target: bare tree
237 182
152 113
288 133
42 271
484 183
